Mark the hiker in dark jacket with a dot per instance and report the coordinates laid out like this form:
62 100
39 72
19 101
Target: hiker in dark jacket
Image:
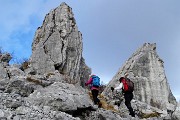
128 96
94 90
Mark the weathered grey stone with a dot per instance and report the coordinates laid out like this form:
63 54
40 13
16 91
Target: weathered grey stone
10 72
101 114
14 72
44 113
61 96
85 71
1 113
14 101
57 45
176 113
55 77
19 87
3 84
8 103
5 57
3 72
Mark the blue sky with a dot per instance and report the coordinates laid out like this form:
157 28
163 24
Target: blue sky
112 30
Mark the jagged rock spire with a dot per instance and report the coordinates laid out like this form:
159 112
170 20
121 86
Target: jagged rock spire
146 69
58 45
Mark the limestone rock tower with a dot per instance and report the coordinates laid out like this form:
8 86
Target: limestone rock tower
146 70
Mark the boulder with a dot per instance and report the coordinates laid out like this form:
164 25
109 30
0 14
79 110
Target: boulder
61 97
40 113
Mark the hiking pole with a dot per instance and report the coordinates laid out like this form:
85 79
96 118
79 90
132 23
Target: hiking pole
112 89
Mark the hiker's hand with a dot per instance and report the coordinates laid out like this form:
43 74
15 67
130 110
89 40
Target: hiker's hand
85 84
112 89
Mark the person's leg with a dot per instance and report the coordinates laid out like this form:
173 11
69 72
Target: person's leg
96 97
95 94
128 98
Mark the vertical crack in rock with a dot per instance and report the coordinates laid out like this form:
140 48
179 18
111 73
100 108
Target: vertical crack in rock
52 29
8 74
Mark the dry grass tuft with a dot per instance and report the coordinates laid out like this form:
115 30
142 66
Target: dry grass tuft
49 74
24 65
106 106
154 114
104 103
101 96
38 82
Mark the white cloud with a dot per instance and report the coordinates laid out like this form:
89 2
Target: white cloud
16 15
16 28
19 22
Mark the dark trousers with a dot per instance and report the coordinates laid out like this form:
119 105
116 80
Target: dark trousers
128 97
95 94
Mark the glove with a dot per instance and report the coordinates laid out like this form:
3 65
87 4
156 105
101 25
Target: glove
112 89
85 84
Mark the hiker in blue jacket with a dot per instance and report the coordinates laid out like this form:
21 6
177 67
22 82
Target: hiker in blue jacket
94 88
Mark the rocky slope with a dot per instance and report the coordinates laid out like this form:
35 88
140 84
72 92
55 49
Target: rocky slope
50 85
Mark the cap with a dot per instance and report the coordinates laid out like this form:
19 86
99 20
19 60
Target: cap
121 78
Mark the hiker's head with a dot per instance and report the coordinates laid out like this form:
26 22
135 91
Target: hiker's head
91 75
120 80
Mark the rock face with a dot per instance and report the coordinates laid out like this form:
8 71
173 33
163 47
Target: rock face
58 45
61 96
176 114
37 97
85 71
45 88
146 70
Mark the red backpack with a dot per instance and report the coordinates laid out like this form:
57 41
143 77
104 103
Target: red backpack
128 85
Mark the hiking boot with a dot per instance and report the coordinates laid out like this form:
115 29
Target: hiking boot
100 104
132 114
